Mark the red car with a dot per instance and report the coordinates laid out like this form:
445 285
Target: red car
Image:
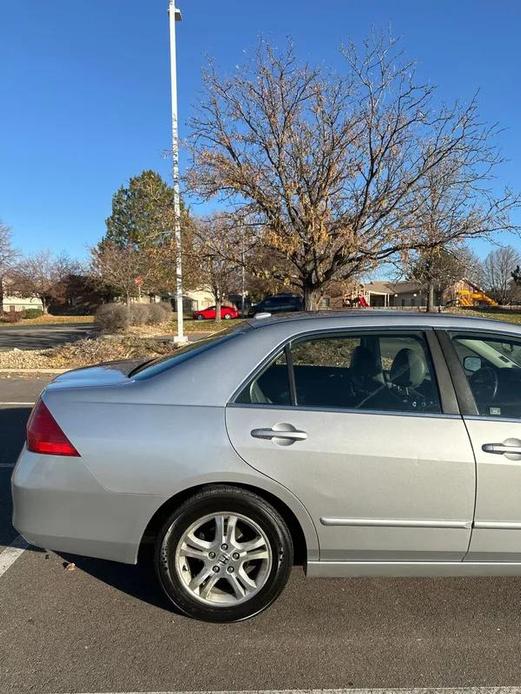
227 312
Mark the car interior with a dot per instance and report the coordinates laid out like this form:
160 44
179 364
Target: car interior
370 372
493 370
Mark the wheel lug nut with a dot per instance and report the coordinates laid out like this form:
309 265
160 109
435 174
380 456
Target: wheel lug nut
216 569
235 555
224 547
211 555
230 569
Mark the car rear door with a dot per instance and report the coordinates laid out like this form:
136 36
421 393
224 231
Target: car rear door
486 367
383 465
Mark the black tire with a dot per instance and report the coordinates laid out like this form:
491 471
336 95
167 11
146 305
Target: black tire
233 500
199 317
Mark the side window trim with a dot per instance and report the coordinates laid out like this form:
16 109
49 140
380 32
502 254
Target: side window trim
467 403
446 388
291 375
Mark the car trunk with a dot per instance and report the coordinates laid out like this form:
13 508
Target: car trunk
111 373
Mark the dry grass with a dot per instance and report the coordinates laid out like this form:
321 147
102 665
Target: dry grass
507 316
207 326
49 320
190 326
162 330
84 353
169 328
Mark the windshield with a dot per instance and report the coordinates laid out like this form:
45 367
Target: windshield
152 368
502 355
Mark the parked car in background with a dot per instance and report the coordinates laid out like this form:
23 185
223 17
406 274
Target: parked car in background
354 444
227 312
278 303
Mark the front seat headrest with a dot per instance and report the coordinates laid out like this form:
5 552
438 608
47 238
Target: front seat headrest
408 369
364 363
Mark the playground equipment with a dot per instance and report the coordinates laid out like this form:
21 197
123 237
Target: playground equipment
473 297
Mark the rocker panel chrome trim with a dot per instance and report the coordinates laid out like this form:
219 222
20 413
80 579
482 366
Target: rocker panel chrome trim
396 523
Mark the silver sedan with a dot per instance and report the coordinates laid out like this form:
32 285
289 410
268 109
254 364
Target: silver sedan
354 444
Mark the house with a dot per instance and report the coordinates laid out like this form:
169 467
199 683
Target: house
395 294
16 303
198 299
193 299
410 294
20 303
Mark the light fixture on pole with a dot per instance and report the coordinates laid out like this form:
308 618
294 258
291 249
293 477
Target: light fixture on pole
175 16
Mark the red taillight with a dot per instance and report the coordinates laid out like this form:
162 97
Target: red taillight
44 434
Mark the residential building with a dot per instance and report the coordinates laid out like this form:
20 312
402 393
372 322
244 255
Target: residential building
410 294
9 302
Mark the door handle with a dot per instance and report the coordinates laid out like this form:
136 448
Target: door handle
510 447
286 433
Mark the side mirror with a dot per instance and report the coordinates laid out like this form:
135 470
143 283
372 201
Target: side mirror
472 364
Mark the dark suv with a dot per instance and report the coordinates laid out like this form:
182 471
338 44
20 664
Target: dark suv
280 303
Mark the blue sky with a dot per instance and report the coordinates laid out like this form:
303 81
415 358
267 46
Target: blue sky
84 86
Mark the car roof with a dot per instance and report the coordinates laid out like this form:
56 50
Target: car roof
359 317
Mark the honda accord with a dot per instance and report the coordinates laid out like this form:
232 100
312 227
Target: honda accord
359 443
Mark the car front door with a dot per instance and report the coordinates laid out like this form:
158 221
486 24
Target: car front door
486 367
354 425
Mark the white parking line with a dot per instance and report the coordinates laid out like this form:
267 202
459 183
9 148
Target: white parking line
9 466
10 554
20 404
419 690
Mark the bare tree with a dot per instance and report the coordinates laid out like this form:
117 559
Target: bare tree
127 269
40 275
267 272
330 170
497 271
454 203
7 258
217 246
438 267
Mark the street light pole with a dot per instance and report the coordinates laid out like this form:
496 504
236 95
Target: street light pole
243 273
175 16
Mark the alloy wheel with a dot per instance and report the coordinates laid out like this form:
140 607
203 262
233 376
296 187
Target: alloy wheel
223 559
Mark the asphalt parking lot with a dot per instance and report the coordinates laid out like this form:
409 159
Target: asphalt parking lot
104 627
41 336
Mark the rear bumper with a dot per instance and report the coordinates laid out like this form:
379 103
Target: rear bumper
59 505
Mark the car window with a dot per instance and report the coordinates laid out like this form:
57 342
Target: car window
270 387
364 372
492 365
157 366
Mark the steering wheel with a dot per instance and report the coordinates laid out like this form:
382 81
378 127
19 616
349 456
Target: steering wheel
484 384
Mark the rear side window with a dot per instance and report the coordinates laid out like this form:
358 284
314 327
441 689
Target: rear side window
492 365
373 372
158 366
271 387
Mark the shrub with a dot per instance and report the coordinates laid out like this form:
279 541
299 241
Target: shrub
113 318
32 313
12 316
159 313
139 314
168 309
